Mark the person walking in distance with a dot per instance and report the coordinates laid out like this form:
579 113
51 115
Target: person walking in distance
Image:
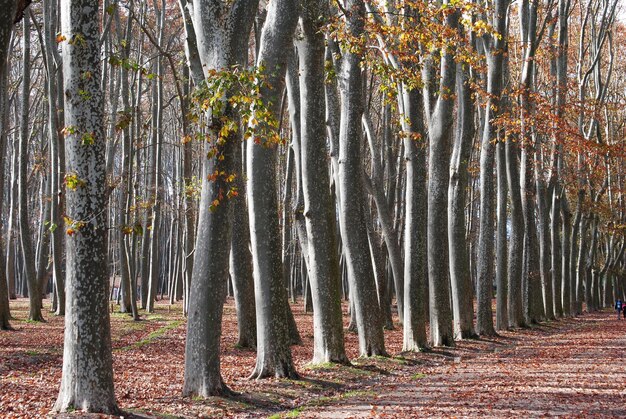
618 308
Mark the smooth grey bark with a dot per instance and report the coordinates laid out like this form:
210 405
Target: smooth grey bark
7 14
293 96
351 213
241 260
194 69
385 216
516 242
555 237
460 277
580 263
156 166
494 49
563 300
87 380
57 161
273 352
568 296
376 244
534 308
502 316
125 193
10 13
220 29
191 44
11 269
26 241
415 201
530 194
43 238
440 132
543 223
319 211
589 268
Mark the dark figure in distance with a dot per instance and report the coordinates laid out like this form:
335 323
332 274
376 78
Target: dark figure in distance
618 308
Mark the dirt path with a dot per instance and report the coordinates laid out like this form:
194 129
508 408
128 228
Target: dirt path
574 368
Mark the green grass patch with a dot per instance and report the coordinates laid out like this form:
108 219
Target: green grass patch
153 335
418 376
149 413
156 317
294 413
322 366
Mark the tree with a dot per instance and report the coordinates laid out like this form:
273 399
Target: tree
87 380
273 352
363 294
7 18
319 214
494 49
34 291
440 134
219 27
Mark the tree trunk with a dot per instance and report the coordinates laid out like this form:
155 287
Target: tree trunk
502 316
555 236
319 211
87 380
415 258
221 38
460 278
515 287
156 165
34 291
273 352
241 261
440 134
566 248
7 13
351 214
57 161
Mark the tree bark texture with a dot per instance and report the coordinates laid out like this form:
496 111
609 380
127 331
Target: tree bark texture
273 352
220 29
351 214
87 380
319 211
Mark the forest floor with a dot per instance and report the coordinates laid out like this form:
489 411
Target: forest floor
571 367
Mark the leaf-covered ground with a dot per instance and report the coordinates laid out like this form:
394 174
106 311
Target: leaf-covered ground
573 367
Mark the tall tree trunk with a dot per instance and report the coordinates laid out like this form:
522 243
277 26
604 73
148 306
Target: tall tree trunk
128 305
57 161
543 222
319 211
34 291
528 29
156 165
515 287
87 380
273 353
241 262
351 214
566 248
440 134
502 316
221 36
555 236
7 13
460 278
494 49
385 216
415 257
